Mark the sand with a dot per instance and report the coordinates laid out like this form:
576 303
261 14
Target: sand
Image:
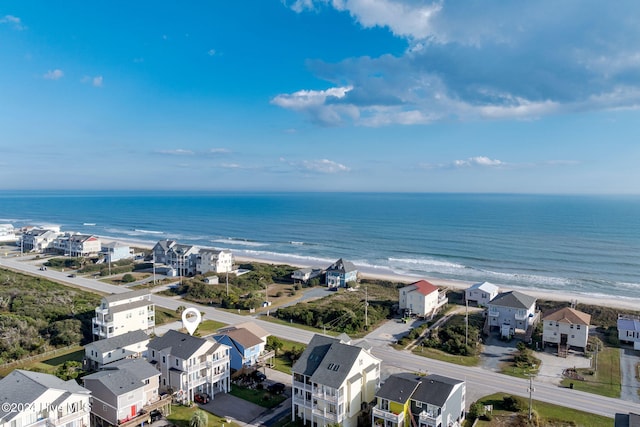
384 274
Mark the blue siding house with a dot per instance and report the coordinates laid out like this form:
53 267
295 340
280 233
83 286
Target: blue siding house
340 273
246 347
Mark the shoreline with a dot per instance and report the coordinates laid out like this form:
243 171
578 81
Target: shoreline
384 274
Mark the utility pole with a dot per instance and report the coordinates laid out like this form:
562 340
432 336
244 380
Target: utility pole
153 259
531 390
366 308
466 324
227 282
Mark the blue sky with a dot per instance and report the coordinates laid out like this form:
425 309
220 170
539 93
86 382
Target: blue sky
321 95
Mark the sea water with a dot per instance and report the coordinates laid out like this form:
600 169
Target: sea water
575 244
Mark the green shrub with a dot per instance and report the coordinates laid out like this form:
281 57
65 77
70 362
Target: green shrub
513 403
128 278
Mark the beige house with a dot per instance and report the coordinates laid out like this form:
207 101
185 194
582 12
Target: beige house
421 298
332 380
122 313
566 328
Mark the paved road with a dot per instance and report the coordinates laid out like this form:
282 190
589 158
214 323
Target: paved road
479 381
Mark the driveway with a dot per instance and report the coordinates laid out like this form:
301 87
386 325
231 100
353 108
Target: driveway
551 366
231 407
391 331
629 359
496 352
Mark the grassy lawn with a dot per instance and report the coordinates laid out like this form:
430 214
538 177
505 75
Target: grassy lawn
208 327
433 353
281 362
117 279
550 414
259 397
164 315
606 380
48 364
181 415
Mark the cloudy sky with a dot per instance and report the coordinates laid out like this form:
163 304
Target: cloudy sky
321 95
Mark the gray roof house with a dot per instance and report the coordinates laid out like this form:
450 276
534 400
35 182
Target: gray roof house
189 364
340 273
52 401
130 345
124 393
512 312
124 312
332 380
407 399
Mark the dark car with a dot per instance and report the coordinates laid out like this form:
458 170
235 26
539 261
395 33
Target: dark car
201 398
258 376
155 415
71 275
276 388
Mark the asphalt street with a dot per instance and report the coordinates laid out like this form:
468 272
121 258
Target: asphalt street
479 381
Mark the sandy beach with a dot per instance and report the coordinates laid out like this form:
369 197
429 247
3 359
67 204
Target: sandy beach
383 274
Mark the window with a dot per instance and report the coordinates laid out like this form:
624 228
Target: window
177 362
123 351
571 326
109 355
164 359
577 326
419 404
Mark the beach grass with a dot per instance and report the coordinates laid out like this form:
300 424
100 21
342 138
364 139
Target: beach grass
436 354
181 415
605 380
164 315
548 414
298 325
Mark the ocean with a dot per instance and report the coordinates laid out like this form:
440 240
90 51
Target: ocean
583 245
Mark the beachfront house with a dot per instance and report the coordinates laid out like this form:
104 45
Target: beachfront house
39 400
480 294
421 298
39 240
190 365
7 233
407 400
160 251
118 314
77 245
212 260
304 275
124 393
340 274
332 382
130 345
566 328
629 330
115 251
511 313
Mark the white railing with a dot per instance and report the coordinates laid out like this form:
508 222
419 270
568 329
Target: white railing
388 416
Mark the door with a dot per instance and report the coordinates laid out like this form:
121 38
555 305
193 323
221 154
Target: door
133 410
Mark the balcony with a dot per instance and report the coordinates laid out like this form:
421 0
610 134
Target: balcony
143 415
332 418
387 416
68 418
522 315
429 418
493 313
319 394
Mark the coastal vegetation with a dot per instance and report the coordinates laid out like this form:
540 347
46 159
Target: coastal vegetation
37 315
455 337
513 411
603 379
352 311
85 265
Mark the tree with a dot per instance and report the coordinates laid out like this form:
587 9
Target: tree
199 419
128 278
274 343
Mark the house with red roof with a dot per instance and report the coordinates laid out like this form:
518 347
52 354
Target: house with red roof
421 298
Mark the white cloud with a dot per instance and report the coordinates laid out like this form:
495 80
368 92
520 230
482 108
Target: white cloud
53 74
219 151
231 166
324 166
478 161
211 52
14 21
97 81
177 152
478 60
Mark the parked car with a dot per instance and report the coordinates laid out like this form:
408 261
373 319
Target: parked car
258 376
276 388
201 398
71 275
155 415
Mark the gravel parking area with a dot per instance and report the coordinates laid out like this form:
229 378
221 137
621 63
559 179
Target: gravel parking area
629 359
551 366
